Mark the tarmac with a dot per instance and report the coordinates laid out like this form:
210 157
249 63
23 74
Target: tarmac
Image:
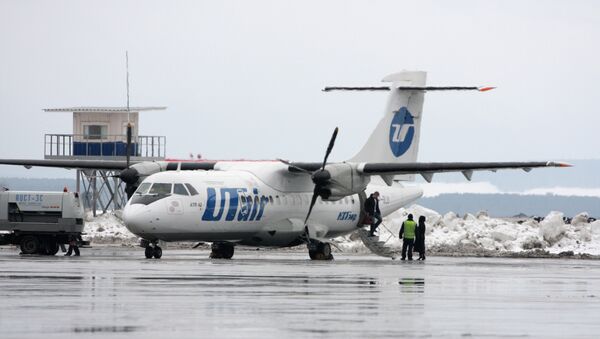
114 292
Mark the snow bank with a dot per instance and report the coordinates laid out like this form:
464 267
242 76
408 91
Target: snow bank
108 228
477 233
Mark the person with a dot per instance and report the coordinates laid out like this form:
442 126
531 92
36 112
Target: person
72 246
420 238
373 212
407 232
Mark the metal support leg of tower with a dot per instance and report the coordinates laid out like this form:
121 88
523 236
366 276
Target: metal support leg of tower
100 190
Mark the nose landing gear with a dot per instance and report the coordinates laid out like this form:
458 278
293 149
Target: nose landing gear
221 250
152 249
319 250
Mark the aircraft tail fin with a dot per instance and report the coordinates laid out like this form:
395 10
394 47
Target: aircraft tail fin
396 136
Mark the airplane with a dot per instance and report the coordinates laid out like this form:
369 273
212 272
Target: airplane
277 203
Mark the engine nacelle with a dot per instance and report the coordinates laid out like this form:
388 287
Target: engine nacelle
340 180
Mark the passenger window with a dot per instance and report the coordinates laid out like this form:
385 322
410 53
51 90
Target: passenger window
179 189
161 189
191 189
143 189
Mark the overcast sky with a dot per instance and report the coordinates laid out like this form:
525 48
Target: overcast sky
242 79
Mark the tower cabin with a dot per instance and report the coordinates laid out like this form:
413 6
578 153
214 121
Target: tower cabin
100 133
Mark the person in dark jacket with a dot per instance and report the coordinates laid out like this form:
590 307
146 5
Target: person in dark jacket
420 238
407 232
72 246
372 210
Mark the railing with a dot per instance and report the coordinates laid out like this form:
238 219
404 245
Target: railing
78 145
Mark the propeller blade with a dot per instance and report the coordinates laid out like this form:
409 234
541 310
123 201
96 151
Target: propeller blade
330 147
312 204
128 148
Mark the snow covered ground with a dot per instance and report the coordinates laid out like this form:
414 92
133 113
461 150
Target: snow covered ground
476 233
108 228
445 233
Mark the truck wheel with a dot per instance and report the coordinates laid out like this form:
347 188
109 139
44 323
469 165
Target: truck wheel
29 244
51 248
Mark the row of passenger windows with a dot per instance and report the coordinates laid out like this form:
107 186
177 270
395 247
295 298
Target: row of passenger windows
295 199
160 188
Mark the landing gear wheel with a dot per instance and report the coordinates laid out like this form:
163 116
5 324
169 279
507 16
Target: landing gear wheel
222 250
149 252
325 249
29 244
157 252
321 252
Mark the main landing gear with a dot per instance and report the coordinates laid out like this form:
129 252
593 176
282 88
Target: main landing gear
221 250
319 250
152 250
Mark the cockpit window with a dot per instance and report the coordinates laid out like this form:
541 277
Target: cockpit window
143 189
158 188
179 189
191 189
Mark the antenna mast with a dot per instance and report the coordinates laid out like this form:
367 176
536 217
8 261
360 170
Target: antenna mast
129 133
127 80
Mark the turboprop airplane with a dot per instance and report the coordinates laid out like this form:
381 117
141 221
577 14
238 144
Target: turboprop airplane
280 203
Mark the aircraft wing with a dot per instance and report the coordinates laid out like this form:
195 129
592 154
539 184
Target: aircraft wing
79 164
427 169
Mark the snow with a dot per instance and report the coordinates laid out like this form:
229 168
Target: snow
564 191
475 233
435 189
108 228
449 232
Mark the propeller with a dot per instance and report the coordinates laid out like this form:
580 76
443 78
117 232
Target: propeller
320 178
128 145
129 175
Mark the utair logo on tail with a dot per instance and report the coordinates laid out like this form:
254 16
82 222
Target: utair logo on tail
402 131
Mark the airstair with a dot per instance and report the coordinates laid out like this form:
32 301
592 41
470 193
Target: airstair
378 247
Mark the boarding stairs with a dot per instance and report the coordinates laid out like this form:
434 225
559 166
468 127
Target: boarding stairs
378 247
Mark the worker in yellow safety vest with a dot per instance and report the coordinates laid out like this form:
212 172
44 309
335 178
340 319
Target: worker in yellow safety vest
407 232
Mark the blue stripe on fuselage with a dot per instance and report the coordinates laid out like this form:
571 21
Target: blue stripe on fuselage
251 208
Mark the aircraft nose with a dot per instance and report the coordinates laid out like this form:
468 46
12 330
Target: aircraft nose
135 218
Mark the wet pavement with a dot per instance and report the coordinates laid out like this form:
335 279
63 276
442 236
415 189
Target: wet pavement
113 292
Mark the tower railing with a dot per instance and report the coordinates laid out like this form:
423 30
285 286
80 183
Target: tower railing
73 146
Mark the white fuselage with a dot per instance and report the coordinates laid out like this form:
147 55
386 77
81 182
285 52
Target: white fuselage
258 203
